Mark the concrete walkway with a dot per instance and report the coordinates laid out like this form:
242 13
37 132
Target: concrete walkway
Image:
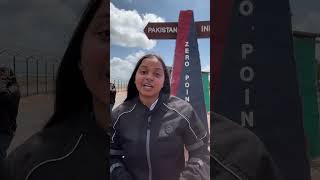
120 97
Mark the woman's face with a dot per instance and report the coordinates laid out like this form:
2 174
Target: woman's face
149 78
95 55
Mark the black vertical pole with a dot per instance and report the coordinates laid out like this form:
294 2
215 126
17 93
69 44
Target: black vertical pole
53 72
27 71
37 76
14 65
46 76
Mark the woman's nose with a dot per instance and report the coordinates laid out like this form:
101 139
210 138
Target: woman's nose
149 76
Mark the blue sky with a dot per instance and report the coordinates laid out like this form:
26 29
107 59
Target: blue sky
128 41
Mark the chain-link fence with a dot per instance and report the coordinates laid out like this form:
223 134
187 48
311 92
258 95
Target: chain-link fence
35 75
120 85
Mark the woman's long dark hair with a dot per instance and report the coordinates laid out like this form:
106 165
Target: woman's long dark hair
72 94
132 89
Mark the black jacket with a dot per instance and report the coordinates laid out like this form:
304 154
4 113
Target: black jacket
62 152
149 145
9 102
237 154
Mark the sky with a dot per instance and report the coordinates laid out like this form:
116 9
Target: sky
306 17
44 27
128 41
37 26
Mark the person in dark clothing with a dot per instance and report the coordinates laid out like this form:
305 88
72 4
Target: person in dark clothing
113 93
9 103
238 154
151 128
74 144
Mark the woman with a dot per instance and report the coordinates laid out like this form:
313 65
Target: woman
74 142
151 128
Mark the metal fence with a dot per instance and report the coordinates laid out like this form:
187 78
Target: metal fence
35 74
120 85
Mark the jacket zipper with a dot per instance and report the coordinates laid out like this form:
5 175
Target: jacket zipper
54 160
148 148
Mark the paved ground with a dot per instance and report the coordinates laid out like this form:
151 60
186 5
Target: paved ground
315 170
34 111
120 97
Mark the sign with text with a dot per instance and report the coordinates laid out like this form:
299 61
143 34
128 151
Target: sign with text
255 79
168 30
186 79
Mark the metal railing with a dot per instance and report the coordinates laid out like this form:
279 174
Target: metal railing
120 85
35 74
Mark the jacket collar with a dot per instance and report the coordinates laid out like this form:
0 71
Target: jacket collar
161 99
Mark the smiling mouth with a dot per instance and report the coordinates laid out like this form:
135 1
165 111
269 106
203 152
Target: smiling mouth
147 86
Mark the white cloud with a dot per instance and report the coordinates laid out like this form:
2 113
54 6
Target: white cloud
121 69
309 23
127 28
206 68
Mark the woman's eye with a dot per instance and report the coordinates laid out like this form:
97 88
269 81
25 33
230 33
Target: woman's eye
143 72
158 75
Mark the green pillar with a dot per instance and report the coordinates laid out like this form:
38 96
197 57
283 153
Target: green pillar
304 52
206 89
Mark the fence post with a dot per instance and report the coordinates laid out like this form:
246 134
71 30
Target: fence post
53 71
27 71
46 74
37 76
14 65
